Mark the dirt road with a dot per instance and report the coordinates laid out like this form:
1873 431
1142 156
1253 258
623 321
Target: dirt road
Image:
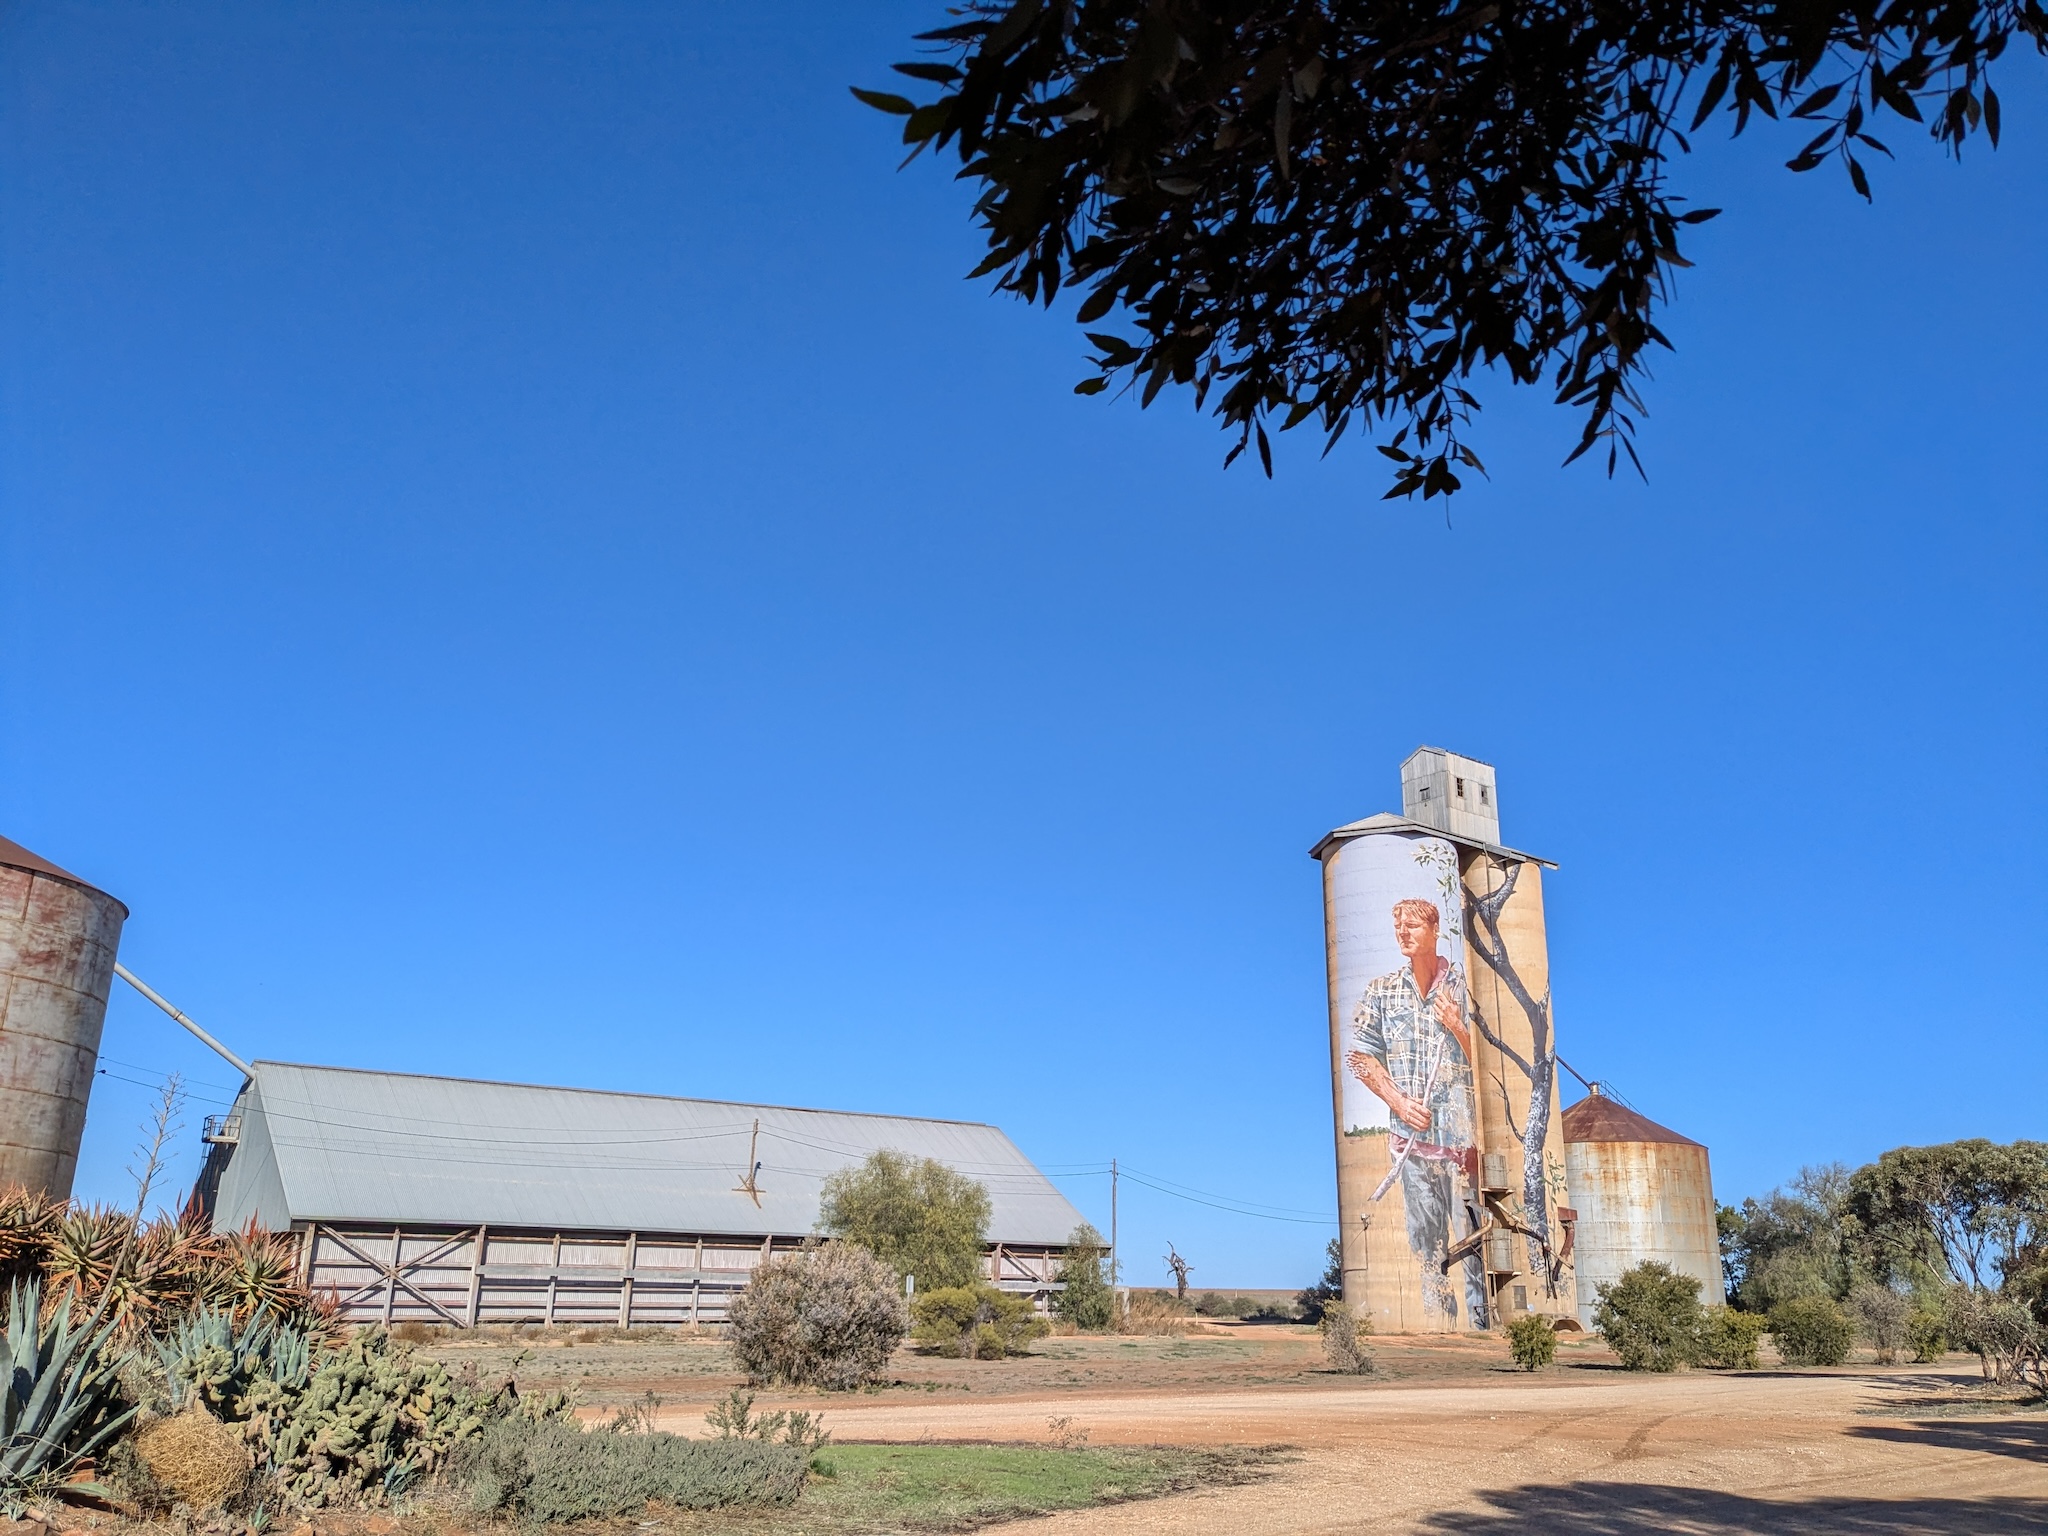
1587 1453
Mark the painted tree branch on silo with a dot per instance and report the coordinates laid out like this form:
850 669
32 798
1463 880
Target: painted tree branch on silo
1482 933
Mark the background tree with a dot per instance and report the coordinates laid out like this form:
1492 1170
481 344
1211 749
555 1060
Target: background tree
914 1213
1794 1243
1311 1300
1974 1207
1086 1298
1339 211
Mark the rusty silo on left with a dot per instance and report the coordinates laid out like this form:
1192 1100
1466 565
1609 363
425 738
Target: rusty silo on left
58 937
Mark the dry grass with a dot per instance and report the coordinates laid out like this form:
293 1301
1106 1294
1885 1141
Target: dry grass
1147 1312
195 1456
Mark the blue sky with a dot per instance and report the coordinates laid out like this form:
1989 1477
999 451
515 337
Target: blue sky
524 558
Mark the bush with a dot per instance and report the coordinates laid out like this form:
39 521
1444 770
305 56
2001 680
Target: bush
1811 1330
1087 1299
1728 1339
1650 1317
1882 1316
1344 1334
1532 1342
1926 1334
555 1471
1210 1304
913 1213
2002 1334
826 1317
978 1322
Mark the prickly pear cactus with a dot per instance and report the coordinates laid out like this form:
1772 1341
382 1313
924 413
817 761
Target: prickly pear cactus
370 1422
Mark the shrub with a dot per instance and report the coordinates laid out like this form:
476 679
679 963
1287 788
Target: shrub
1209 1304
1088 1299
978 1322
1728 1339
1650 1317
1344 1334
1532 1342
1926 1334
1311 1300
2002 1334
1881 1315
1811 1330
913 1213
825 1317
555 1471
198 1458
734 1419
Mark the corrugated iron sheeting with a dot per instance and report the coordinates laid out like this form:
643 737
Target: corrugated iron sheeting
333 1144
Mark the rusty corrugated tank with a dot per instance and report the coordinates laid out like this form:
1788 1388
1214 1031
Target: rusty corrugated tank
1642 1191
58 938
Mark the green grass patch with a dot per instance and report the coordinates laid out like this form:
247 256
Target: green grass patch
860 1488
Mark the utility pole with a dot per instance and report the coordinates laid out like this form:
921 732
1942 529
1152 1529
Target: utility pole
1112 1224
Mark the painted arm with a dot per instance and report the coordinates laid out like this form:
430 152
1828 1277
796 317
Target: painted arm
1371 1071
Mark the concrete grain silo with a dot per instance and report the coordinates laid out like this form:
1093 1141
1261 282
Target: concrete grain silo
58 937
1641 1192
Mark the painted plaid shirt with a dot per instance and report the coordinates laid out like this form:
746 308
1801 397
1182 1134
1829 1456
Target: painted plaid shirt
1397 1023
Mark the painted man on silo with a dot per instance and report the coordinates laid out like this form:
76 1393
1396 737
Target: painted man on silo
1412 1048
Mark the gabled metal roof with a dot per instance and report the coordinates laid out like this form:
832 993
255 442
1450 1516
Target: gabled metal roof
335 1144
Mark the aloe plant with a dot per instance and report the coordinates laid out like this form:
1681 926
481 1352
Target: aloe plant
60 1400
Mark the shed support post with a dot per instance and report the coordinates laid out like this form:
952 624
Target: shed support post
626 1284
554 1275
476 1276
391 1274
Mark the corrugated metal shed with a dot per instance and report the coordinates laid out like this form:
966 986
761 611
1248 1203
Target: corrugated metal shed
329 1144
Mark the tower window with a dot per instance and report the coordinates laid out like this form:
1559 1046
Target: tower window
1461 789
1482 794
1424 794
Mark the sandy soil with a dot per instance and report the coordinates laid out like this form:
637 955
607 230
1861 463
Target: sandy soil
1585 1453
1445 1439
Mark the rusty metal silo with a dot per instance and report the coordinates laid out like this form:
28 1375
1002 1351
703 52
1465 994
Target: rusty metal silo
1642 1192
58 937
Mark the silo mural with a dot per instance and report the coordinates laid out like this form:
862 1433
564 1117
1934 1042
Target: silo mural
1450 1155
1408 1154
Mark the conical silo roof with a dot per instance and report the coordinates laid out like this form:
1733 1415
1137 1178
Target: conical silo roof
1599 1118
14 856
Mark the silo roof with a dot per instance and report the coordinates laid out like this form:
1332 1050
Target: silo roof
1600 1118
349 1145
1387 821
14 856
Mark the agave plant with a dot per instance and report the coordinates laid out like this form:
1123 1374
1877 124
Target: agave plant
60 1401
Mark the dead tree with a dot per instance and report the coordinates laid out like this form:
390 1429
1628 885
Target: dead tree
1180 1268
1482 935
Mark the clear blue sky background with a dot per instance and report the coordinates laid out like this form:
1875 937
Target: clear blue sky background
524 558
